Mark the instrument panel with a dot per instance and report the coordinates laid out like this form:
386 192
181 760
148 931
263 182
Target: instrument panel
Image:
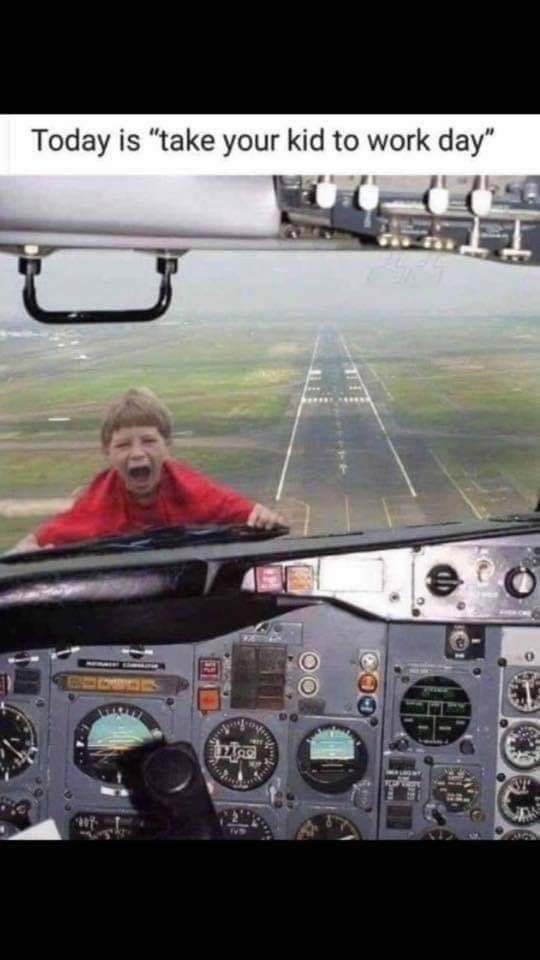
487 580
320 724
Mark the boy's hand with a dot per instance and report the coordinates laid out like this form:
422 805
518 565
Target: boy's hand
264 519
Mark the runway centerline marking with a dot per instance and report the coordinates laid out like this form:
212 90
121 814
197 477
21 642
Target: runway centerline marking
295 426
379 421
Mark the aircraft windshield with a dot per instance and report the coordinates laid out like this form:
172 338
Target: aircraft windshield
348 391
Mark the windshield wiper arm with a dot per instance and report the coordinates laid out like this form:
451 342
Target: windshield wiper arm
153 539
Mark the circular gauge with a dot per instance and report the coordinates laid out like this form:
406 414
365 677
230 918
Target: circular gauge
457 788
18 742
519 800
105 735
114 826
328 826
13 817
520 835
435 711
438 833
8 830
240 823
331 758
241 753
521 745
524 691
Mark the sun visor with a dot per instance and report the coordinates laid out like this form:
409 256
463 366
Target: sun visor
135 211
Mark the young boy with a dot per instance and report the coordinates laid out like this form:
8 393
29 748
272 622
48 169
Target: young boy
143 486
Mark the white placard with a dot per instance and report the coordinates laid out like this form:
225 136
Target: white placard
215 144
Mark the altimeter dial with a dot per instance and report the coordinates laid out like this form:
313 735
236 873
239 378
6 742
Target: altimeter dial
519 800
241 753
18 742
521 746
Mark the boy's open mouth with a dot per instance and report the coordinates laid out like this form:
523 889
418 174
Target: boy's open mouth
139 473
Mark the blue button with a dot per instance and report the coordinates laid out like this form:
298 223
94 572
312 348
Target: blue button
366 706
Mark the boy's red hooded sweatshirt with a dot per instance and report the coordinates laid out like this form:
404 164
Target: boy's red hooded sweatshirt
105 507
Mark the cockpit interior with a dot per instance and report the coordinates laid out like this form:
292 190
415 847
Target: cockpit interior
361 684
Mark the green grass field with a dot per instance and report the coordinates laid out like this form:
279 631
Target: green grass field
459 376
473 385
220 388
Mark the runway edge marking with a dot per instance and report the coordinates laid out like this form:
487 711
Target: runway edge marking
295 425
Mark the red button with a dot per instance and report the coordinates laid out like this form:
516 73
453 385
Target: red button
269 579
208 698
367 683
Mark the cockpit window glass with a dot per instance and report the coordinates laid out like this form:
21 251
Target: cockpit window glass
348 391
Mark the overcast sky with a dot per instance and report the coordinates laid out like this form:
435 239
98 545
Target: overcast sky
315 285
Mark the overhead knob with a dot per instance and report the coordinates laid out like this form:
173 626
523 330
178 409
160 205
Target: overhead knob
442 580
520 582
325 193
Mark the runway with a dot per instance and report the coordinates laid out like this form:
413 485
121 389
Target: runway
347 469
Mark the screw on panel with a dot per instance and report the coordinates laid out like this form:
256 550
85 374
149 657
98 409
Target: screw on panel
71 696
374 722
503 723
499 830
501 662
529 655
477 671
416 612
429 761
501 777
477 816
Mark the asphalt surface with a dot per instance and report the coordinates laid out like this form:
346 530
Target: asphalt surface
348 469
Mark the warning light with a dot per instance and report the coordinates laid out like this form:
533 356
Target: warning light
269 579
367 683
300 579
209 668
208 699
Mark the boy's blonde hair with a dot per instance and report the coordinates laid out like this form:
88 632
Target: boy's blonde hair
138 407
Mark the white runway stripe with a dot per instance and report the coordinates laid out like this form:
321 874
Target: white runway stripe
295 426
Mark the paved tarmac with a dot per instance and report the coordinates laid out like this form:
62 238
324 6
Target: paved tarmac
348 468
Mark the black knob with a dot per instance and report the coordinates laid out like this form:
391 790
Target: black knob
401 743
442 580
168 771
